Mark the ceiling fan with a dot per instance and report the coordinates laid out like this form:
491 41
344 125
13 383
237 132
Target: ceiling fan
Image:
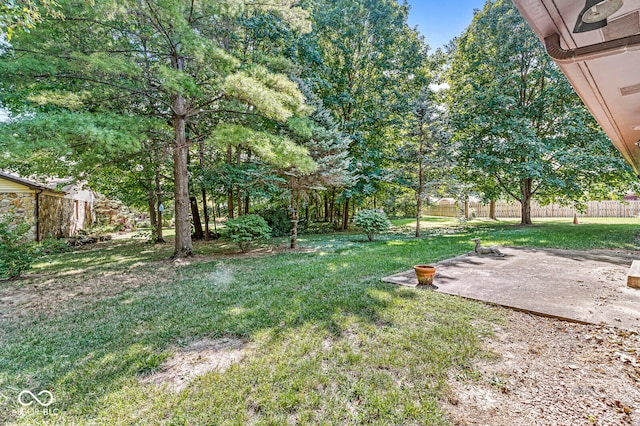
595 13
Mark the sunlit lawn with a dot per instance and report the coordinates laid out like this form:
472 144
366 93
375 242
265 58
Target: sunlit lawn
331 343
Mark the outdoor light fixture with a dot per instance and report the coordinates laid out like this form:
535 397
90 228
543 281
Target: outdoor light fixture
595 14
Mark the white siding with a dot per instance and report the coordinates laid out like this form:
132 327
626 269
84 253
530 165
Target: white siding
8 186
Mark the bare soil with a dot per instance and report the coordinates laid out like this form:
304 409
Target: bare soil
53 294
197 359
550 372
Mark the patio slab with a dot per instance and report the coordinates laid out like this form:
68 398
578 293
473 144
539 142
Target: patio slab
582 286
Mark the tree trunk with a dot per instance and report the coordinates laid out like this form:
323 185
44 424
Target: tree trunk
197 224
238 163
332 208
246 194
326 208
419 195
466 207
183 243
492 210
525 202
526 212
205 210
345 215
294 221
158 228
215 226
151 200
230 189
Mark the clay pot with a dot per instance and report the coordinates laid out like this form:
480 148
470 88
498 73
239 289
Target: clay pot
425 274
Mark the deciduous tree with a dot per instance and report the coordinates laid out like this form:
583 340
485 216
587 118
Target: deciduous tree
522 129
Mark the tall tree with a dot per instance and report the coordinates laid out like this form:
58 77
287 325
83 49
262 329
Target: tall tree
425 157
523 130
172 55
366 54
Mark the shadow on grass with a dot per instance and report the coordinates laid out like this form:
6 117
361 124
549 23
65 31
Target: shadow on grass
320 319
86 353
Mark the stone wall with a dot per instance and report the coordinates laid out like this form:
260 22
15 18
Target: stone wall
57 217
22 206
111 212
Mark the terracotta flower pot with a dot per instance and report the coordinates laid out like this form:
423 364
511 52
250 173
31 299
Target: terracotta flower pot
425 274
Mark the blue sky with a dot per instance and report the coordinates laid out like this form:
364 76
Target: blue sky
441 20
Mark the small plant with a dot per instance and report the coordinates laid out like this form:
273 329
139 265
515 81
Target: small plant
372 222
16 252
50 246
246 230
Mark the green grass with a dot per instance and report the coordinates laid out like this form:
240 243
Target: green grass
332 344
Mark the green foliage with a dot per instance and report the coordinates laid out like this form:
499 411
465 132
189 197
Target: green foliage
523 131
245 230
23 15
16 252
278 220
371 62
52 246
372 222
317 228
279 151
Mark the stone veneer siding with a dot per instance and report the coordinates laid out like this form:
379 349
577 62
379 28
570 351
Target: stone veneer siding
22 206
56 216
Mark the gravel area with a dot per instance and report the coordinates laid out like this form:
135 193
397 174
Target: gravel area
544 371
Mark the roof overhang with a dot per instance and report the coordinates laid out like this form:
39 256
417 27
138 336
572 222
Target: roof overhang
603 65
28 183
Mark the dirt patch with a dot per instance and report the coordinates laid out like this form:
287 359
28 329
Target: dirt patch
197 359
53 294
550 372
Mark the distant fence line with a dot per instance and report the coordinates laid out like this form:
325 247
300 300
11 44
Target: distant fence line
505 210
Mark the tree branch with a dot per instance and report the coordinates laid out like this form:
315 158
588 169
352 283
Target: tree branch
504 187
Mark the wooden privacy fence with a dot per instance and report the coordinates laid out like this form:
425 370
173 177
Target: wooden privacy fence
594 209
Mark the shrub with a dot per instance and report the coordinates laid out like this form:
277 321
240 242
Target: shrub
143 224
50 246
320 228
247 229
16 252
372 222
278 220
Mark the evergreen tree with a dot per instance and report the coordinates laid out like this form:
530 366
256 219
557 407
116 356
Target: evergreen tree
170 60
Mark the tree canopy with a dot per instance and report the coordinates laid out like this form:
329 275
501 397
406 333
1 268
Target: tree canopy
315 108
523 131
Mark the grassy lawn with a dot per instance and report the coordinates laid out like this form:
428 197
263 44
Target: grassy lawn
329 342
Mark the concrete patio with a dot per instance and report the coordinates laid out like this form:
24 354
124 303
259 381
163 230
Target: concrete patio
582 286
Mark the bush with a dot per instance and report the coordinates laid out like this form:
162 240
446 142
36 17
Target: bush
278 220
50 246
372 222
143 224
16 252
247 229
319 228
